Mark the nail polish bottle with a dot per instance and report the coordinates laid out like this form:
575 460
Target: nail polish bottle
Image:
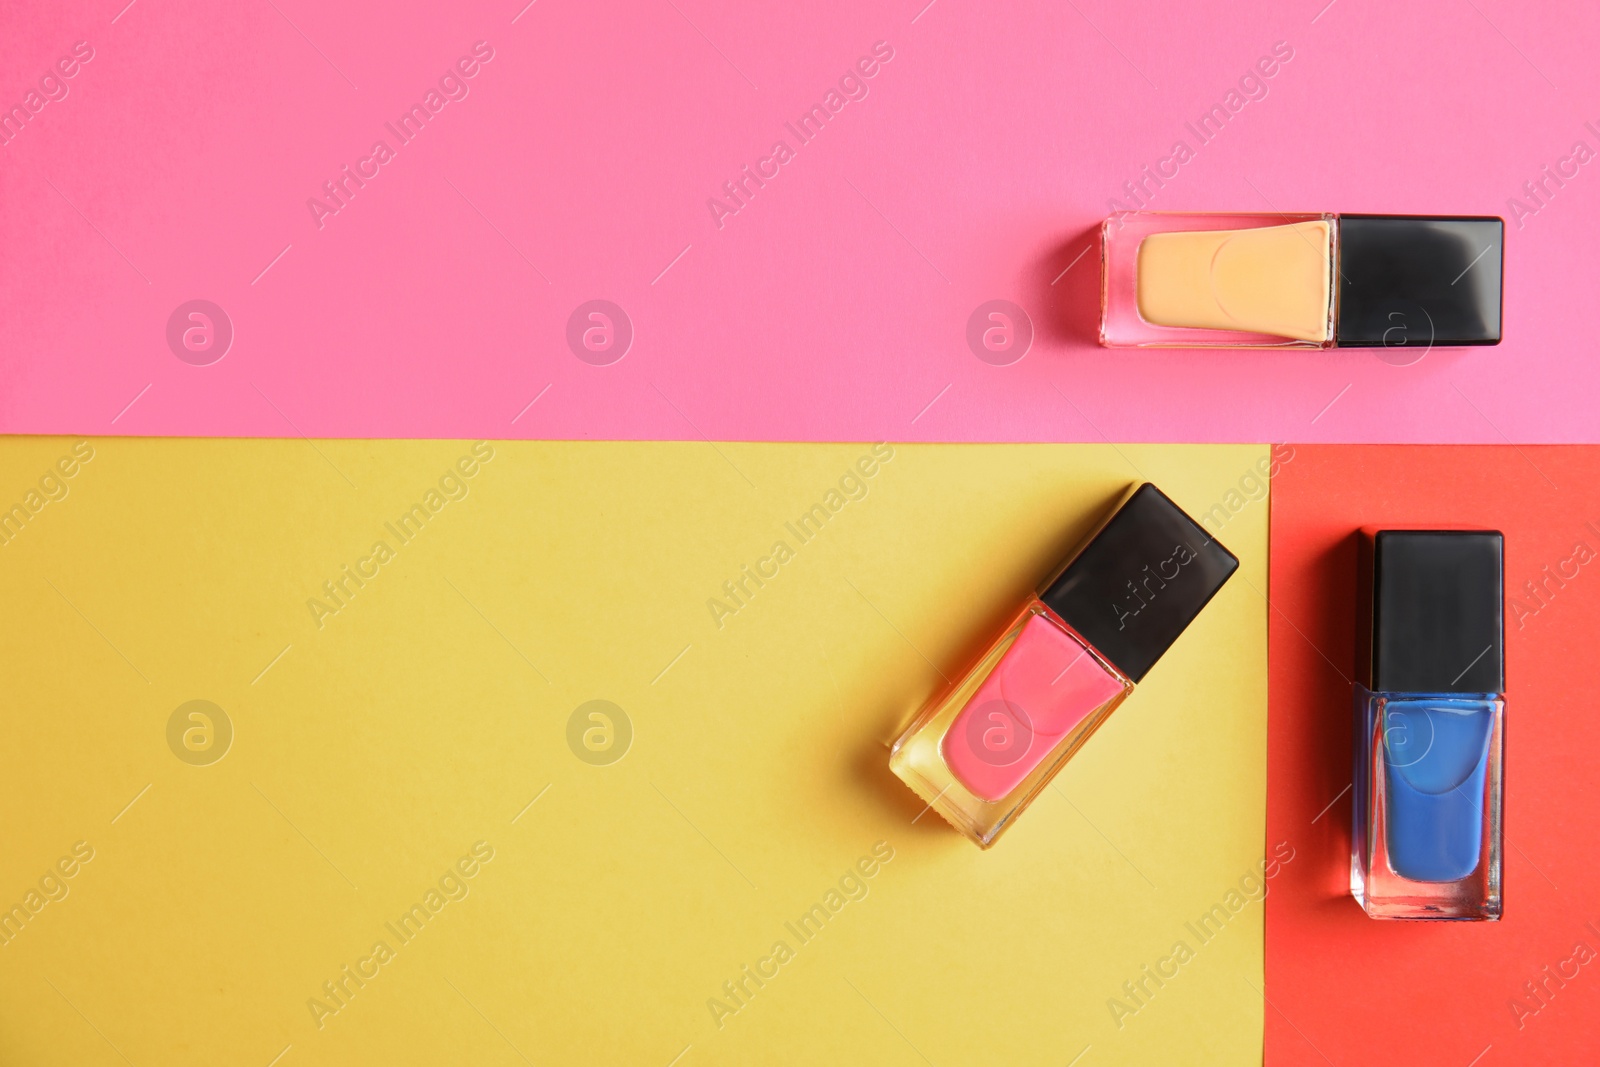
1430 725
983 747
1299 281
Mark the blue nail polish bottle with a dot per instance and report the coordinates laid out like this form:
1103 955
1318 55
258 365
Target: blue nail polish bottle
1430 725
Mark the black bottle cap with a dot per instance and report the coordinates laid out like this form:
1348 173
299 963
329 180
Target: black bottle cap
1139 581
1419 280
1431 611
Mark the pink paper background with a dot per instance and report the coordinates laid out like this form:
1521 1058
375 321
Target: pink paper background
833 306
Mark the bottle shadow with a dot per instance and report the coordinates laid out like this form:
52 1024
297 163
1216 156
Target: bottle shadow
870 769
1066 285
1320 764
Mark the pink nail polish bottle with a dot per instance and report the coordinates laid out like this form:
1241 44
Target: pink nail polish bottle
985 746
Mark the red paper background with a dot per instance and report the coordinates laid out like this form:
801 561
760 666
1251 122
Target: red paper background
1346 989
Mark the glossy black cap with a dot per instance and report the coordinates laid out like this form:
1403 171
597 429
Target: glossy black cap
1431 611
1419 280
1139 581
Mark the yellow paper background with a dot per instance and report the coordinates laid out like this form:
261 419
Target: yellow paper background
415 722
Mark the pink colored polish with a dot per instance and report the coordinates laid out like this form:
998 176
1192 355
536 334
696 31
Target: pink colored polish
1044 685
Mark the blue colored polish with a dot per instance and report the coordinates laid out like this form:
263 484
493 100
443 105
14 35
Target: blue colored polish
1437 757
